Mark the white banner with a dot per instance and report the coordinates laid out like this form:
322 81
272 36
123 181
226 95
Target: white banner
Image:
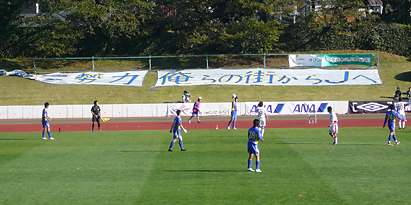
268 77
129 78
290 108
304 60
206 109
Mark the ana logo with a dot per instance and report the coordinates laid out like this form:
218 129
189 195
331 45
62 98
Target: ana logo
372 107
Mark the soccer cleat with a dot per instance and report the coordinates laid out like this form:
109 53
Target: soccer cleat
92 130
258 170
234 128
51 138
228 127
43 138
199 121
170 150
250 169
183 150
397 143
189 121
99 130
389 144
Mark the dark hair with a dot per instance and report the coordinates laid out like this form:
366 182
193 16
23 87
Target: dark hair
95 101
400 99
260 104
392 107
256 123
46 104
329 109
178 112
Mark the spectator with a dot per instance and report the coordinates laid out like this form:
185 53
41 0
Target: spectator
408 93
185 96
397 94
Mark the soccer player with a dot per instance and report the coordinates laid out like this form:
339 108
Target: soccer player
96 111
254 136
400 108
333 125
196 110
233 113
175 128
390 117
262 116
45 121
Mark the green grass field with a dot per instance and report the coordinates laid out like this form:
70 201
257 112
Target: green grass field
300 166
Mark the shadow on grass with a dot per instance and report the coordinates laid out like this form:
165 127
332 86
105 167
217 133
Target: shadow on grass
10 65
406 76
203 170
387 97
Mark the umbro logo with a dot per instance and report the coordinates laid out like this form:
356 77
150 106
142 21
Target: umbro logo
372 107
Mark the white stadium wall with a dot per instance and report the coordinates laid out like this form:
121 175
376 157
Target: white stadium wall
143 110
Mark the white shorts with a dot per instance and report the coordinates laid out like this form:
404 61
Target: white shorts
402 114
333 128
262 123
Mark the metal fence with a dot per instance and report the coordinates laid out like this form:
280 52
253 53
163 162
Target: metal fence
234 61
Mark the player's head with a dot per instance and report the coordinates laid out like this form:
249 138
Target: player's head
233 96
392 107
186 91
46 105
329 109
256 123
236 98
95 102
398 88
260 104
178 112
199 98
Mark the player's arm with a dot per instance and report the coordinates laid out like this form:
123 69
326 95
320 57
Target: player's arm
399 116
181 125
260 137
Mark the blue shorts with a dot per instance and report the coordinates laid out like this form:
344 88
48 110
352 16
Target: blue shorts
45 124
391 127
176 134
194 113
253 148
234 114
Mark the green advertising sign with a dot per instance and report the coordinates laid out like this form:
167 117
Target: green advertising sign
346 59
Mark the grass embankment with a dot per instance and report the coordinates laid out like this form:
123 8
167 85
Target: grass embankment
394 72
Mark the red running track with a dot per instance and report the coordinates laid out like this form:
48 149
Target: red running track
115 126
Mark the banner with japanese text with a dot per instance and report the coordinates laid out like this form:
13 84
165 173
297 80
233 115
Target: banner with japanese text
267 77
129 78
289 108
324 60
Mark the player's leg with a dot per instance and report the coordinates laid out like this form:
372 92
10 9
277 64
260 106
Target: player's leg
250 156
403 122
98 123
234 119
189 119
173 142
93 119
392 132
394 138
335 133
231 119
180 142
44 133
48 131
198 118
257 163
262 127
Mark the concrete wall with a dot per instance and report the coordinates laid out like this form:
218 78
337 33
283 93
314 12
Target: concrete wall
110 110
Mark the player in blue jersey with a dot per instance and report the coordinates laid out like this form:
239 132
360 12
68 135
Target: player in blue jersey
233 113
254 136
175 128
390 117
45 121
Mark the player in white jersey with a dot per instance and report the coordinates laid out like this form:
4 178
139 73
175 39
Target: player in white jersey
333 125
262 116
400 108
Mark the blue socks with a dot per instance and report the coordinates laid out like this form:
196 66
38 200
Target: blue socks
395 139
48 132
249 163
181 144
234 124
257 164
172 144
44 134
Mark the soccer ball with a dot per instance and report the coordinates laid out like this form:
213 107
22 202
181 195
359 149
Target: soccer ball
233 96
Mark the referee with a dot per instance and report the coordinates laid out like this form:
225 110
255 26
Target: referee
96 111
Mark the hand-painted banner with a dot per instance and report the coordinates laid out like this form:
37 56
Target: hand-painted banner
289 108
129 78
324 60
268 77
